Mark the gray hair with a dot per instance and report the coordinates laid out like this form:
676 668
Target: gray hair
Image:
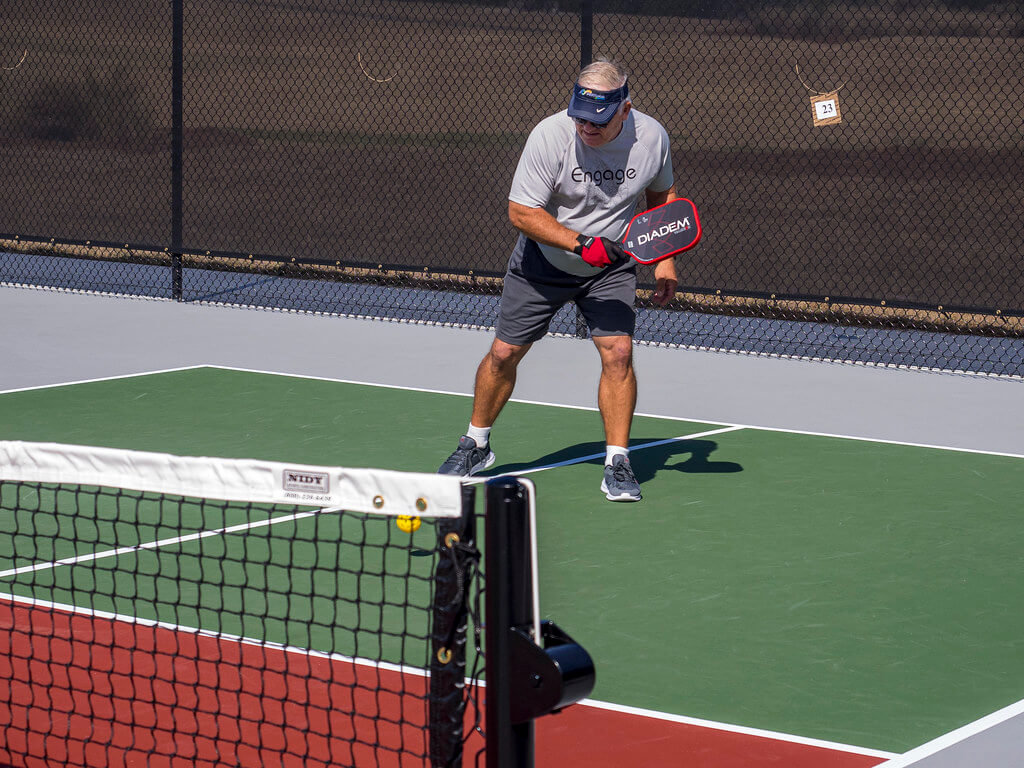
604 74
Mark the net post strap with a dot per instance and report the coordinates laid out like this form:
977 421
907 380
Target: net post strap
456 571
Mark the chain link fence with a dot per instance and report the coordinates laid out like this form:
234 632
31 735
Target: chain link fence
354 158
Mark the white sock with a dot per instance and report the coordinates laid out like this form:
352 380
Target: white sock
482 435
612 451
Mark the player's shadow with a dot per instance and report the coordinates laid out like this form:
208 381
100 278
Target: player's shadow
691 456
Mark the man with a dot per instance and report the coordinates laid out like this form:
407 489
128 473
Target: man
574 192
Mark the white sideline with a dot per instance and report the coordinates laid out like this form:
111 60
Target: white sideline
936 747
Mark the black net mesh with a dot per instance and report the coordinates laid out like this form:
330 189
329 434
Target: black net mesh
151 629
355 158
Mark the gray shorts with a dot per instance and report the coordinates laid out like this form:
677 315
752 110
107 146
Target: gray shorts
534 291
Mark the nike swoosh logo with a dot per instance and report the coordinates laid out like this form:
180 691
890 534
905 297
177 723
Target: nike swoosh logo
602 109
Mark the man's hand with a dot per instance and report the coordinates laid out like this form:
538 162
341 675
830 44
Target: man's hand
665 282
599 251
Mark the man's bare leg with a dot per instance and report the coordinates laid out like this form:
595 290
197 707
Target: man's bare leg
495 380
616 397
616 393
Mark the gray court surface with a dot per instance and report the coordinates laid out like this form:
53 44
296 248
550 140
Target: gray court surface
802 339
50 337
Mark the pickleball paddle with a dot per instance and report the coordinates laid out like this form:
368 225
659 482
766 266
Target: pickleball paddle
662 232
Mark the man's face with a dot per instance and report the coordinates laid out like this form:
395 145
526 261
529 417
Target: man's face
594 135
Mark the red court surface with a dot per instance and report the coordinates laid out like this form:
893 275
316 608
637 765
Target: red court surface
92 691
583 735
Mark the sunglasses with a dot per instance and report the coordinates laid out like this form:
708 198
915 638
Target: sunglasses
599 126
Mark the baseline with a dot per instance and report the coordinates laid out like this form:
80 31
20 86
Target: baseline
992 741
594 409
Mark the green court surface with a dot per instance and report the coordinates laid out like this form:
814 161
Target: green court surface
852 591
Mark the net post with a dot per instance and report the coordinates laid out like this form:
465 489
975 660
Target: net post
509 604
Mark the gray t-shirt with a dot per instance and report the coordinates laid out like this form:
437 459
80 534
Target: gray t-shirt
593 190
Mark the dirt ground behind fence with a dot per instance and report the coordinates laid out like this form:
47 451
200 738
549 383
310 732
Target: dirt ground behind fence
387 132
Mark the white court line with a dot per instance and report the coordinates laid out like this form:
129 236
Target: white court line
955 737
858 438
115 377
692 419
93 556
303 376
595 456
212 634
216 635
741 729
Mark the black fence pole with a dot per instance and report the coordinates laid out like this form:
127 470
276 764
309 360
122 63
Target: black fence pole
586 32
177 141
586 56
508 604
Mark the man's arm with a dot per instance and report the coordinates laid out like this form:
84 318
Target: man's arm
665 279
654 199
540 226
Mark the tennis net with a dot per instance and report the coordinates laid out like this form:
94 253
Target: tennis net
163 610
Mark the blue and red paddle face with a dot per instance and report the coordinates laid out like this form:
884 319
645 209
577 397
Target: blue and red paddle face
662 232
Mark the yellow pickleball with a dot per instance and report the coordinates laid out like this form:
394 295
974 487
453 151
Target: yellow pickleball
408 523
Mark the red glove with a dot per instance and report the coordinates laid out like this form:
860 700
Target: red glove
599 251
